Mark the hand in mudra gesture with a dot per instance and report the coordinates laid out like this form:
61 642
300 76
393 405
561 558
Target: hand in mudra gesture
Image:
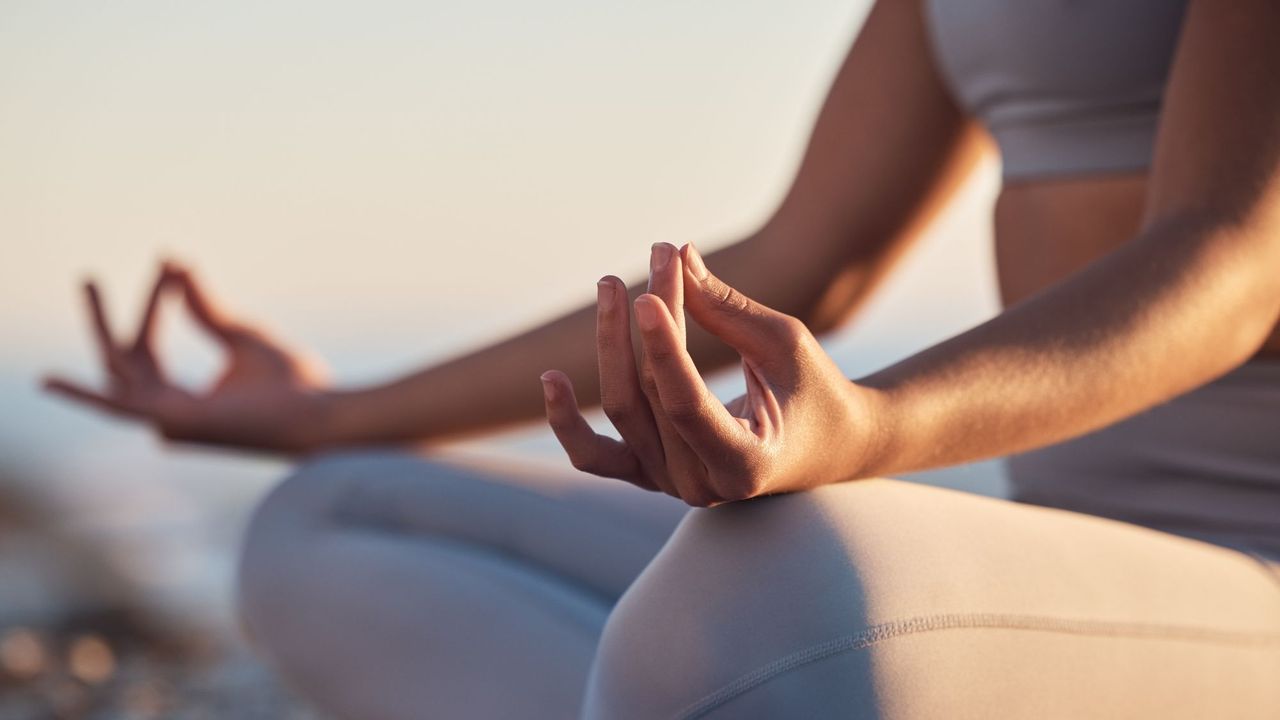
801 423
265 397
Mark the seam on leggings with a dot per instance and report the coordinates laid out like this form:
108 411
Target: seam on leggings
884 631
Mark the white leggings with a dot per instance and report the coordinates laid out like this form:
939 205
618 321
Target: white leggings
387 587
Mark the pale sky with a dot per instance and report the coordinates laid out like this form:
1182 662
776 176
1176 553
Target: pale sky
342 169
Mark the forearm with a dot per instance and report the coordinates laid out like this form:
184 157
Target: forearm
1176 307
875 171
498 386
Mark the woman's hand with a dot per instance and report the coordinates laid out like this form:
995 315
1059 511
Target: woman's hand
801 424
267 397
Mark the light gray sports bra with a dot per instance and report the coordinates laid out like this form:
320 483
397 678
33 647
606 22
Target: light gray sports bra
1065 86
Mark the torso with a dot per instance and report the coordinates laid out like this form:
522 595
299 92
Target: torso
1072 93
1048 229
1072 90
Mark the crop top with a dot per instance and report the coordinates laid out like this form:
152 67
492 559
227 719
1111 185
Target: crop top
1065 87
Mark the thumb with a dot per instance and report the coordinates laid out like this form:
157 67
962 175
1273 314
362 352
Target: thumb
756 331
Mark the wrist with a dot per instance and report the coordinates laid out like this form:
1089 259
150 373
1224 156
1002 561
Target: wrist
327 421
877 429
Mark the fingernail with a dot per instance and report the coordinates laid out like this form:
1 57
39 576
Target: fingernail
646 314
660 256
548 387
694 263
604 294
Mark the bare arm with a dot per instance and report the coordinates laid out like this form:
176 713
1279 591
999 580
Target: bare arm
888 147
1192 296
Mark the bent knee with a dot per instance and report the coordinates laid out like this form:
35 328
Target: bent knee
277 558
753 590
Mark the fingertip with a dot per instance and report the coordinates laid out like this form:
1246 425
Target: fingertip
606 294
552 376
63 387
648 297
93 295
693 262
648 306
654 301
660 256
555 385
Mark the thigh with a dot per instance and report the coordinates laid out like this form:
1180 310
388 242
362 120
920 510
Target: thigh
593 533
883 599
388 586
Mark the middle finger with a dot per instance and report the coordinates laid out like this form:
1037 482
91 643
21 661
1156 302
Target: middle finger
684 468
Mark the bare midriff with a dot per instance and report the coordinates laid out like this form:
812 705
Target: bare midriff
1048 229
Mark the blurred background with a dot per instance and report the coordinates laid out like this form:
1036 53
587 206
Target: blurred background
388 183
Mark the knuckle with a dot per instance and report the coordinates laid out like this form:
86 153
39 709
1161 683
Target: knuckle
649 386
608 333
743 484
740 492
697 497
791 329
730 301
171 433
734 491
617 409
661 353
682 408
583 461
751 487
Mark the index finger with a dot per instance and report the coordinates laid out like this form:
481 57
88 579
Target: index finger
702 420
205 311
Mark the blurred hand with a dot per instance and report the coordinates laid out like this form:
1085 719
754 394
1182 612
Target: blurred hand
266 397
801 423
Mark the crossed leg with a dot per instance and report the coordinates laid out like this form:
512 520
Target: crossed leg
386 586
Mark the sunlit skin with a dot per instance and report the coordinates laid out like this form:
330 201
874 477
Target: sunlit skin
676 437
1121 292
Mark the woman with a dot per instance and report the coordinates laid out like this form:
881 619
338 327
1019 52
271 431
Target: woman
1133 375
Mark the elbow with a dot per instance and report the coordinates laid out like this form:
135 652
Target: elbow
835 295
1248 256
1251 331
